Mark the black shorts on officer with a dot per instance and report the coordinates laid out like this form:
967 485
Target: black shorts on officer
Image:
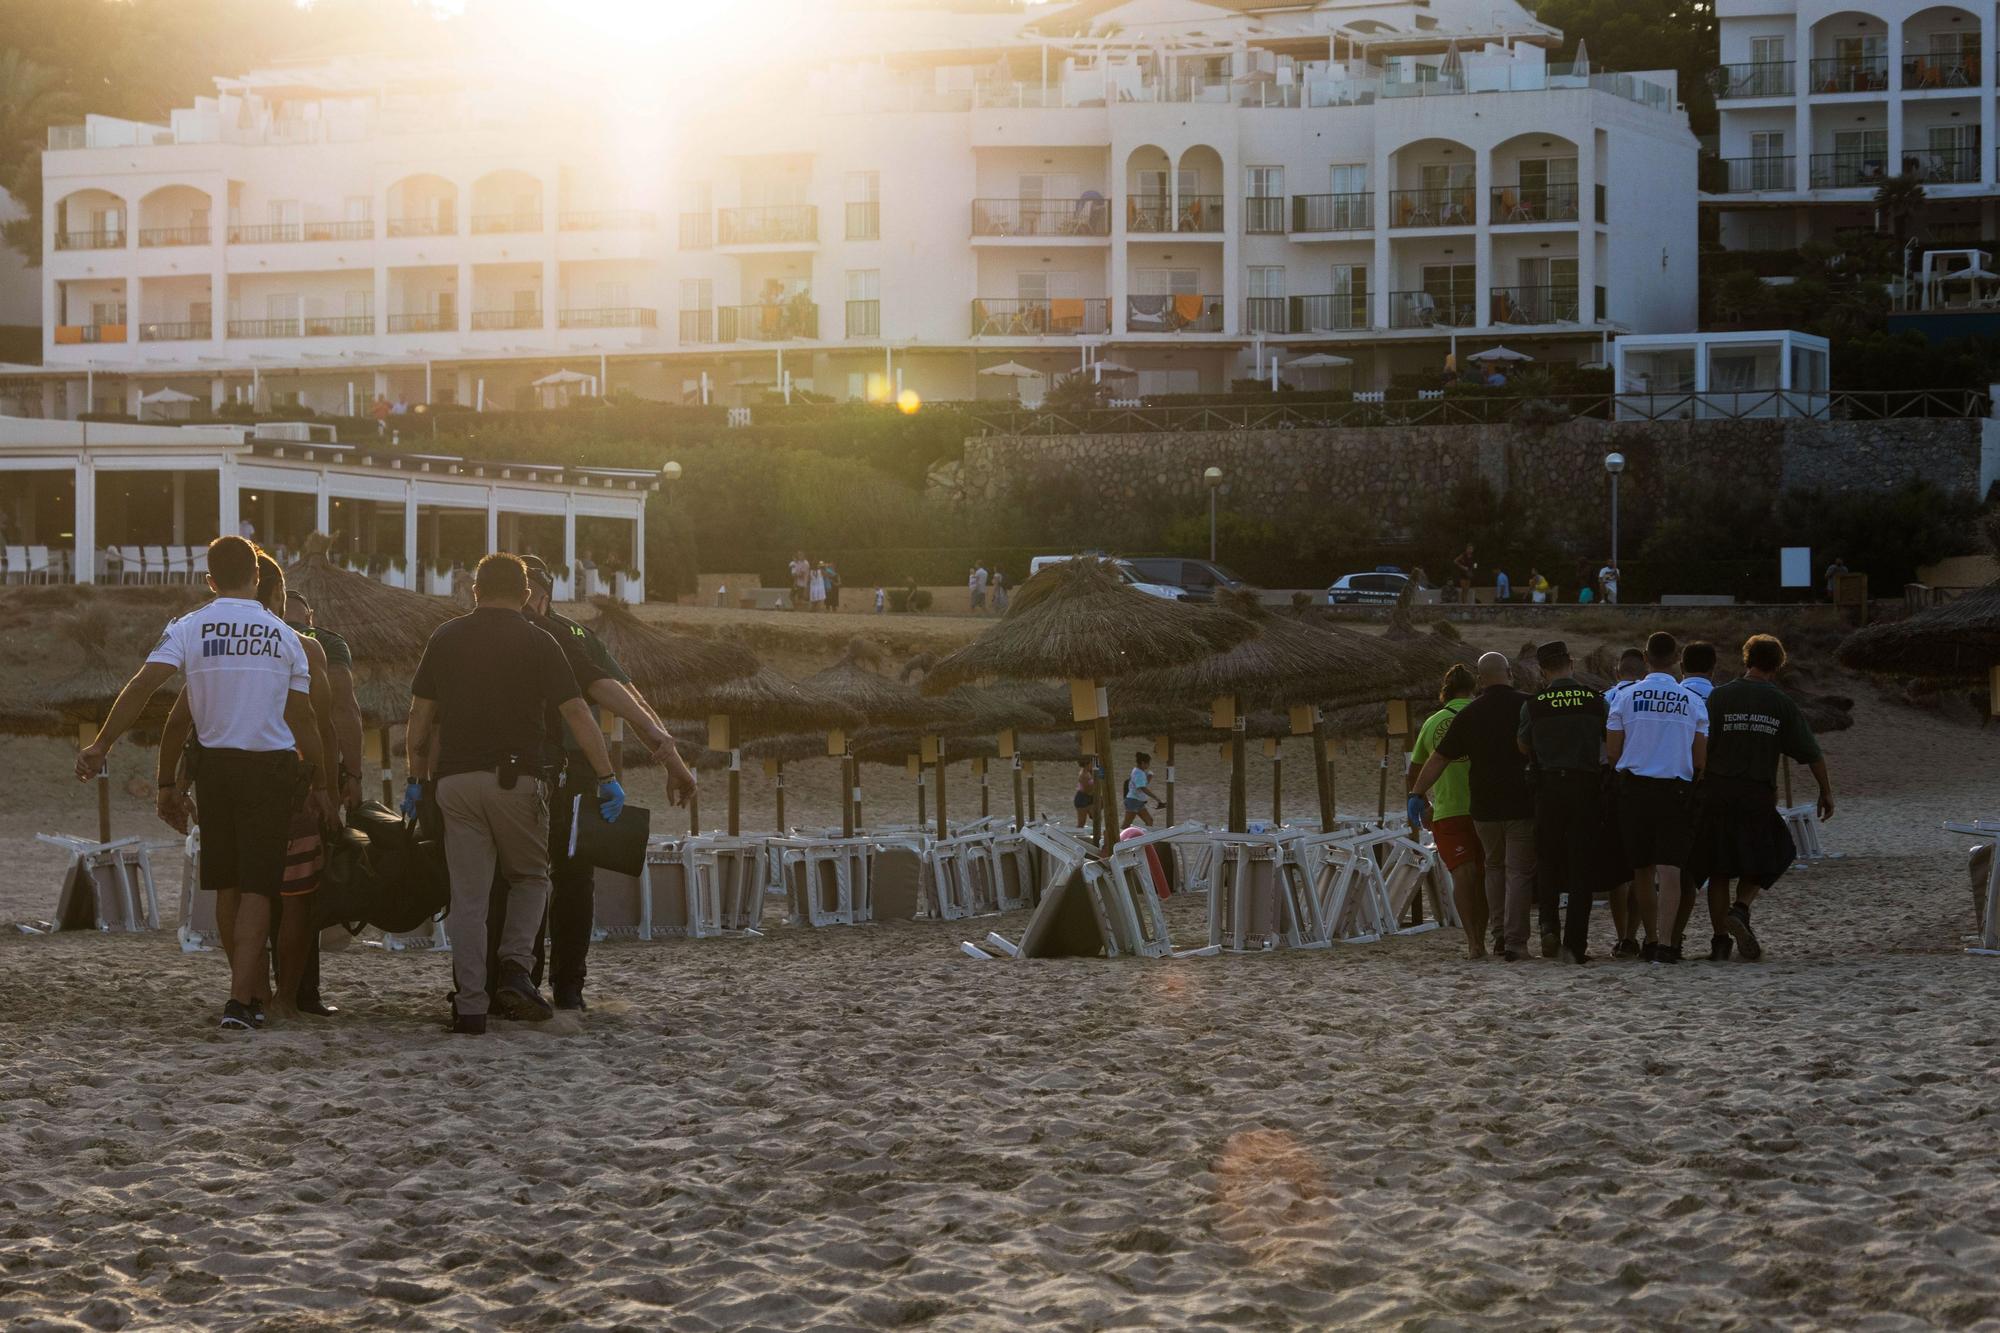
1655 820
245 799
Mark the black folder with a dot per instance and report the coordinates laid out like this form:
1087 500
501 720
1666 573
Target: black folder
619 847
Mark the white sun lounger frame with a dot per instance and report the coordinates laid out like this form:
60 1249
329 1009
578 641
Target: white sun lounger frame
120 875
1988 945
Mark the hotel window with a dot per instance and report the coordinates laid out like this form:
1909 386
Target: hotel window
1264 191
1453 289
864 205
864 303
1267 299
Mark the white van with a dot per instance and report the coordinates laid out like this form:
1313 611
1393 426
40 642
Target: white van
1126 573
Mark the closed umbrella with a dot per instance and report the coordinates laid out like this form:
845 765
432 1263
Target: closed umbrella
1500 354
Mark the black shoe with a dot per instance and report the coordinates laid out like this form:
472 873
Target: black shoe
516 997
1667 954
1552 944
256 1013
1718 949
1509 956
1625 949
1570 955
570 997
318 1008
472 1025
1648 952
236 1017
1738 925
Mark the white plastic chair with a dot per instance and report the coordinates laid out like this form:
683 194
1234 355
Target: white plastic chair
132 568
38 564
198 562
17 564
177 564
154 568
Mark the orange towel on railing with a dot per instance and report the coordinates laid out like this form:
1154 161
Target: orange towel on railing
1066 312
1188 308
69 333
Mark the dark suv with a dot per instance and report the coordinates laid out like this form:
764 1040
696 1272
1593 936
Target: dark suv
1197 579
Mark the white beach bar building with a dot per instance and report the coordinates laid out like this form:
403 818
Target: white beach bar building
95 501
1184 187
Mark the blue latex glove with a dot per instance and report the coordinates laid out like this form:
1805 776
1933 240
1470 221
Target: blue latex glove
412 793
1418 810
611 800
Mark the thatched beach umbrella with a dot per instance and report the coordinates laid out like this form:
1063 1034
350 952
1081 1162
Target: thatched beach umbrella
83 698
1957 641
1001 710
764 703
1077 622
860 682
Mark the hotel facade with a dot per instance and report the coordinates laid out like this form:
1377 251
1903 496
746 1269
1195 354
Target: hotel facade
1177 190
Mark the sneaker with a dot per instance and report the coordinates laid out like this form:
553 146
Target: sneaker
570 997
1626 949
516 997
1718 949
236 1017
257 1013
1738 926
472 1025
1552 944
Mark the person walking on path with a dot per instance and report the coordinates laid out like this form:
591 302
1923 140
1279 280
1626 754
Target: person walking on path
1138 791
1466 567
1448 814
1562 733
1503 804
1739 834
1656 737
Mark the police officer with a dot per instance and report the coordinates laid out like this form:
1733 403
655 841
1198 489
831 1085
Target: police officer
564 942
1562 731
479 730
249 692
1656 737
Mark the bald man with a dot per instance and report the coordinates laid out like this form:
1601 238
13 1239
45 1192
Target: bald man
1503 802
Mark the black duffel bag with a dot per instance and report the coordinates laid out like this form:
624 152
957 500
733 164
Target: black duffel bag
382 871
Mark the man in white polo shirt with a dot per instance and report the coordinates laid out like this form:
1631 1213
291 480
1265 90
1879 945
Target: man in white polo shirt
249 689
1657 738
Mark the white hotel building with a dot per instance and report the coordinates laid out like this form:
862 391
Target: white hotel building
1175 186
1822 101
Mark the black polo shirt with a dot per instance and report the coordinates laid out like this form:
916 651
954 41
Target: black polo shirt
589 662
1564 726
1483 732
496 680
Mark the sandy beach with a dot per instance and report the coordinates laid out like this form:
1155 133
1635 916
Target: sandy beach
863 1129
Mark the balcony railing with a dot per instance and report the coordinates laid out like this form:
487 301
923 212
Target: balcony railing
697 231
192 330
775 224
1942 166
1850 74
506 319
311 326
493 224
1846 171
1747 175
1535 305
780 321
608 317
1336 312
152 236
90 240
1264 216
613 220
423 322
1517 204
1433 310
445 226
275 232
1455 207
1152 214
864 319
1041 217
89 333
697 326
1057 317
1266 314
1922 72
864 221
1761 78
1173 314
1333 212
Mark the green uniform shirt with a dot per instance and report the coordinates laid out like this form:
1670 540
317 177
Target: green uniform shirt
1564 727
1750 724
589 659
1451 795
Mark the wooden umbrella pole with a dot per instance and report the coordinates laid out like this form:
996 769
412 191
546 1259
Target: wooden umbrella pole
388 774
1169 760
1277 787
778 796
1020 816
1322 773
694 812
849 813
1239 775
1786 765
104 805
735 798
923 811
1029 765
1108 827
943 828
854 772
985 793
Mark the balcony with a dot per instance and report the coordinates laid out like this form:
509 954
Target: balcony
1337 312
156 236
1041 217
1850 74
1433 310
90 240
311 326
1762 78
1456 207
1264 216
1185 313
697 231
496 224
184 331
608 317
1050 317
431 322
67 334
486 320
1937 71
1535 305
1942 166
864 319
1157 214
1333 212
422 227
277 232
778 322
1514 205
697 326
776 224
613 220
1747 175
864 221
1848 171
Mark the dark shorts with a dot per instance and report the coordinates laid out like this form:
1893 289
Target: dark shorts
1739 834
1457 841
1655 820
1084 800
246 799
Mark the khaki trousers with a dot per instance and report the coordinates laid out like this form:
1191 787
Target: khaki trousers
484 827
1510 875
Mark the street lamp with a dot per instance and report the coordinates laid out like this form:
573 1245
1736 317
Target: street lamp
671 473
1212 479
1614 464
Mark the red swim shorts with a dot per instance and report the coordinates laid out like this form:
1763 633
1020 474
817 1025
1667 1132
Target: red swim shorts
1457 843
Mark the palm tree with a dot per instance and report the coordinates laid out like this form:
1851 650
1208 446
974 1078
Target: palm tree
1900 199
